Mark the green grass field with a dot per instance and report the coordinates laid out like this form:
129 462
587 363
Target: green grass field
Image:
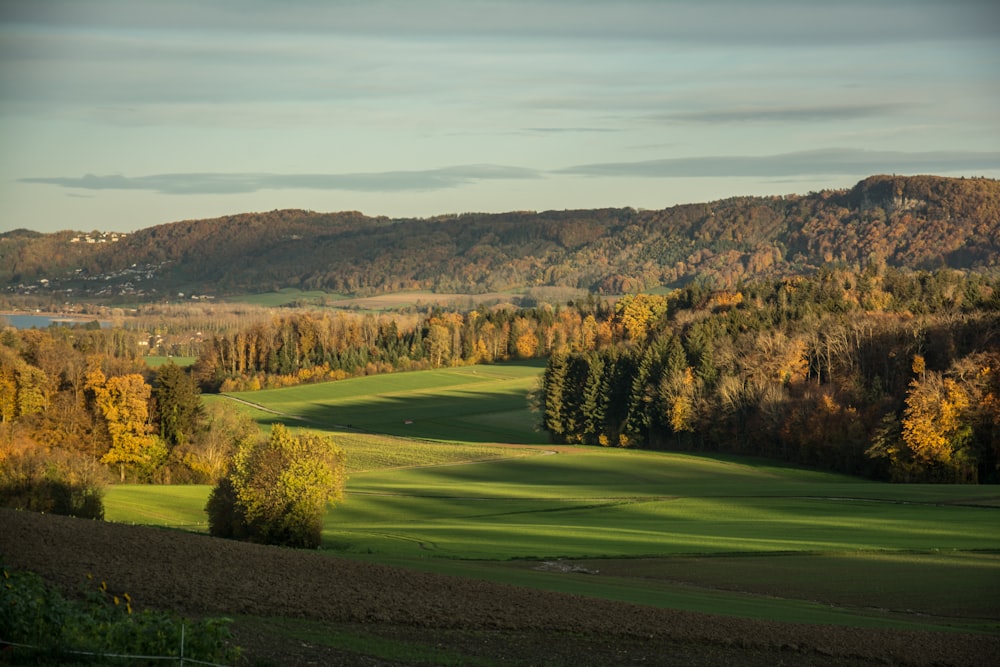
714 534
463 404
284 297
154 361
376 303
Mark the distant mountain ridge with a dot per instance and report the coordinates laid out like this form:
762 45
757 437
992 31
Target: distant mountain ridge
919 222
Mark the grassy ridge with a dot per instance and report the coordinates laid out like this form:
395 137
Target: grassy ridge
714 534
464 404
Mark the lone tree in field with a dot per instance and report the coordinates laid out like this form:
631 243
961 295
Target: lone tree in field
278 489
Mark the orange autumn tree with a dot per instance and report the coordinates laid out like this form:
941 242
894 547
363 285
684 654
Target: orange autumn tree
123 402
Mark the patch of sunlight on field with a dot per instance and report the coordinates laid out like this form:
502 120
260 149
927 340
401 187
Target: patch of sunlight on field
494 529
645 503
485 404
388 384
178 506
154 361
583 472
372 452
284 297
501 540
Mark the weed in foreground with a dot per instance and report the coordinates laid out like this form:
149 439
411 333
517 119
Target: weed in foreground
41 626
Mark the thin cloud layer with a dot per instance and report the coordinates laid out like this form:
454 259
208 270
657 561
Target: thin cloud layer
774 22
805 163
818 162
217 183
785 114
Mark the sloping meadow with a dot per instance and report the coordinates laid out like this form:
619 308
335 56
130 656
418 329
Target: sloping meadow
706 533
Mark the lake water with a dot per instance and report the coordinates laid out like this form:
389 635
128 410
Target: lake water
40 321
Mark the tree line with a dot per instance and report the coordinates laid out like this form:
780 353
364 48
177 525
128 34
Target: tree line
313 346
878 373
77 402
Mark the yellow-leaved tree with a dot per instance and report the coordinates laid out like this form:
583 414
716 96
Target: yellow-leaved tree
636 313
123 402
277 490
935 423
678 391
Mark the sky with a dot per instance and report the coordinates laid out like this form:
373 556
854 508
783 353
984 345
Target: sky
124 114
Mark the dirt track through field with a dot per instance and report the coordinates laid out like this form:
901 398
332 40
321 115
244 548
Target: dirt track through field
197 574
258 406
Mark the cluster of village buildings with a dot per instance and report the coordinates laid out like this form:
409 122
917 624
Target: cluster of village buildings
98 237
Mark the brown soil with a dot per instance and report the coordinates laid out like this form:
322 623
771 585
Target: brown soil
199 575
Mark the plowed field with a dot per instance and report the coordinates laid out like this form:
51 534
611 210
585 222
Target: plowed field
199 575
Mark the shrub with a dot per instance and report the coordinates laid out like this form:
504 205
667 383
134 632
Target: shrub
225 518
278 489
57 483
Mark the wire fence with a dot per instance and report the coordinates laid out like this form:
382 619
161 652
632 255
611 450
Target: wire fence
180 659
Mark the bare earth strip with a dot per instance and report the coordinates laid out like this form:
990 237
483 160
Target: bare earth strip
196 574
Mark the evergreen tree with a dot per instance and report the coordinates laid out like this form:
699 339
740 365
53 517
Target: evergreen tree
553 387
574 418
178 403
593 400
618 383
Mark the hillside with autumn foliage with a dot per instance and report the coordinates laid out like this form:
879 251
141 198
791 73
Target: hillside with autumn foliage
919 222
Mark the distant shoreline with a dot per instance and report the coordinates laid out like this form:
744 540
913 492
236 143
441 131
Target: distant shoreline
49 314
46 319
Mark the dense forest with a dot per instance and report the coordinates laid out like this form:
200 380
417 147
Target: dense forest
921 222
879 373
318 346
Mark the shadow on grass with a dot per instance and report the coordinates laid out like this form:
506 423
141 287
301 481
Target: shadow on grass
459 416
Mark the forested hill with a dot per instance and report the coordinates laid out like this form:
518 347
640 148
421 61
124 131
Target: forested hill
920 222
